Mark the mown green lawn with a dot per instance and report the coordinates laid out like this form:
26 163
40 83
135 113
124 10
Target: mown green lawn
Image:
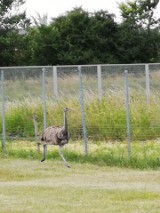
29 186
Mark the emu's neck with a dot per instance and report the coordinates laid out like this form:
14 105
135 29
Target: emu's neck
65 125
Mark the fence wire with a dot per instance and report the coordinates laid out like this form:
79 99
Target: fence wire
47 90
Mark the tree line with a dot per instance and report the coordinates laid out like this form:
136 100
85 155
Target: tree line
79 36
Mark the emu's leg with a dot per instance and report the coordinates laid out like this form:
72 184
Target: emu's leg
61 154
44 152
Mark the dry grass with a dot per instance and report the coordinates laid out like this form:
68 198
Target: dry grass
30 186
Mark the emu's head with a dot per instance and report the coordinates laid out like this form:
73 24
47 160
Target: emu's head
66 109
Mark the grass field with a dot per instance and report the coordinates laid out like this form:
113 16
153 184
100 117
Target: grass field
29 186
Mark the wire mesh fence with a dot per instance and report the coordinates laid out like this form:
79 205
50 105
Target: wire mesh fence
96 93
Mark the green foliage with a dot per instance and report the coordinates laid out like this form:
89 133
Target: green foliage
138 35
137 45
80 37
139 13
42 45
11 42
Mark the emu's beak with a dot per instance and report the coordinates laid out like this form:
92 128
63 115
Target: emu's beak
70 109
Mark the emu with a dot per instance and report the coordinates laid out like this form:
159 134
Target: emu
56 135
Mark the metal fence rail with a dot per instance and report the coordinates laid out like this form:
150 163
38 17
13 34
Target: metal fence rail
90 88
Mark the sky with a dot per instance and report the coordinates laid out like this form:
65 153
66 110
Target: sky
54 8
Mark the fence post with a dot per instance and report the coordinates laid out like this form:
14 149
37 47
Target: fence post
3 113
82 111
99 76
127 113
44 97
147 83
55 82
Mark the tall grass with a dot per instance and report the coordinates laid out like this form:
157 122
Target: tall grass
105 120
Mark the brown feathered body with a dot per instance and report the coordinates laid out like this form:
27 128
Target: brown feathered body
55 135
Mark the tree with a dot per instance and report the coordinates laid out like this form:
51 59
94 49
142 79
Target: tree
40 20
104 32
139 13
139 37
12 21
77 37
74 38
42 45
80 37
86 37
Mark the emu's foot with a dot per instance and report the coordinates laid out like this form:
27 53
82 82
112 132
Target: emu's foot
42 160
67 165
